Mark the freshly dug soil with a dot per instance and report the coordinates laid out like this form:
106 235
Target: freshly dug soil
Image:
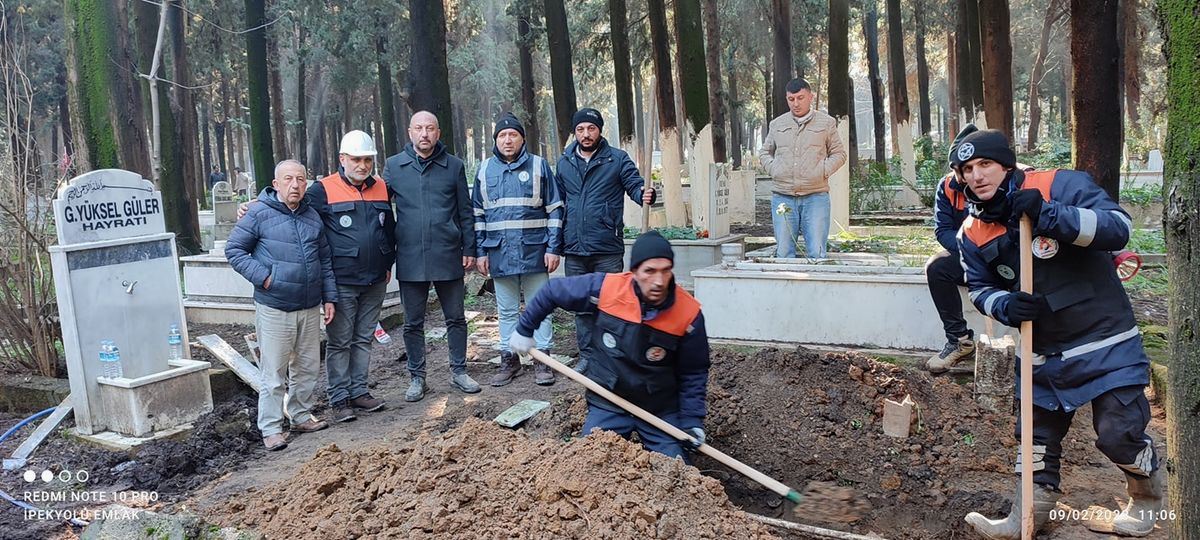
483 481
801 417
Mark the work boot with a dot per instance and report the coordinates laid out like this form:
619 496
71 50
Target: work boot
951 354
275 442
510 367
313 424
464 382
1145 502
581 365
416 389
342 412
543 375
1009 528
367 403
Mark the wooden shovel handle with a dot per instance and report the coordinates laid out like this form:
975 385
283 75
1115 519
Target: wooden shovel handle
645 207
1026 386
767 482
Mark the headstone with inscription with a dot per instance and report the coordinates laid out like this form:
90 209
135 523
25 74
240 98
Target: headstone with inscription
224 210
116 277
710 200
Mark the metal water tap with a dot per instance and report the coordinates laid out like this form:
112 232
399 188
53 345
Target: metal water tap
128 286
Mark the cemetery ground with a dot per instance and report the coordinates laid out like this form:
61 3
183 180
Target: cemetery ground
441 469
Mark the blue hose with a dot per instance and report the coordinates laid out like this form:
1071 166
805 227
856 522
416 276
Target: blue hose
4 495
24 423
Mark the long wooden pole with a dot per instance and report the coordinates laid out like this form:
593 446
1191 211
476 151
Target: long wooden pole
1026 386
646 183
766 481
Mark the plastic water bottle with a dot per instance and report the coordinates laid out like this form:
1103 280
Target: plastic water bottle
110 359
175 343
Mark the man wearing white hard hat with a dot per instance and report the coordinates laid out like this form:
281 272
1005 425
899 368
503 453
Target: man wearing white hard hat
360 228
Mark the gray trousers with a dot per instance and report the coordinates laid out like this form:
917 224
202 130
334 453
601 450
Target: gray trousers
348 339
289 358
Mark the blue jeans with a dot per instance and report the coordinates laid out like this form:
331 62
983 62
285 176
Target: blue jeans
349 336
623 424
508 302
807 215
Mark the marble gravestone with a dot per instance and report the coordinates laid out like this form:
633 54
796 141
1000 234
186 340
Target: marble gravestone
116 277
224 211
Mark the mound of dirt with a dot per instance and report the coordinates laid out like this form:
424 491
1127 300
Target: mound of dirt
800 416
482 481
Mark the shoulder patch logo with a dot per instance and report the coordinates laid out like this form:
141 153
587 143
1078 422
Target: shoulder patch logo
656 354
523 176
610 340
1044 247
965 151
1006 272
346 221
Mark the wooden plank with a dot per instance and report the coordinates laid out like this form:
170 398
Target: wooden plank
43 430
245 371
252 345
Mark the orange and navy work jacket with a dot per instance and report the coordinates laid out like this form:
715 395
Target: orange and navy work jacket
653 356
359 226
1087 341
949 212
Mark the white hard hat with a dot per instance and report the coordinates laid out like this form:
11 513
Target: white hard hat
357 144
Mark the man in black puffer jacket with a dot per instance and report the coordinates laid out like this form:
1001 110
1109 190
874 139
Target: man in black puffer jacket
280 248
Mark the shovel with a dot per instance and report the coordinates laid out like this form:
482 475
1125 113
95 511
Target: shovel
1027 530
766 481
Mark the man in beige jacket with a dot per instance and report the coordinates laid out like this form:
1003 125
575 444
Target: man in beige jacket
801 151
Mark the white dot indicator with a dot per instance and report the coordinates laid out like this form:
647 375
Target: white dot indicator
47 476
30 476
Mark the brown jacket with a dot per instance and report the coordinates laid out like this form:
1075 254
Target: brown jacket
801 161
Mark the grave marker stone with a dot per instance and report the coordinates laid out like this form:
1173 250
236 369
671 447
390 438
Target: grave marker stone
224 210
116 277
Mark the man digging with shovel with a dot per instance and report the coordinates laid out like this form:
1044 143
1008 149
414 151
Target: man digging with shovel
650 344
1086 343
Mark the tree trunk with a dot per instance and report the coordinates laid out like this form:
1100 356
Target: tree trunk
898 77
871 37
996 49
1054 12
528 85
206 143
968 60
735 116
387 108
922 71
278 129
429 75
668 124
562 78
1181 191
1096 143
188 234
261 152
781 29
301 101
716 93
111 124
840 103
693 74
622 72
951 85
768 101
64 115
1132 37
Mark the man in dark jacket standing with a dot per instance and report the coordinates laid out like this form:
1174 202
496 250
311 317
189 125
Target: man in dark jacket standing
435 244
592 176
280 248
651 346
360 228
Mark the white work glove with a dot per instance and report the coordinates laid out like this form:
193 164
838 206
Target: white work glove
698 434
519 344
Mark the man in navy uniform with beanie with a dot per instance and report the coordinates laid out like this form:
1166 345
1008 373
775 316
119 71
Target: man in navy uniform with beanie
650 344
591 177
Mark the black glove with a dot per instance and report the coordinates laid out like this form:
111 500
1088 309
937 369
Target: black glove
1023 306
1026 202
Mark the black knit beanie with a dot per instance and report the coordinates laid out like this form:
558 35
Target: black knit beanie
650 245
508 121
587 115
988 143
958 139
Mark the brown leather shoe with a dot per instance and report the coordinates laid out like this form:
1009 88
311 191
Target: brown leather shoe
367 403
342 412
510 367
275 442
313 424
